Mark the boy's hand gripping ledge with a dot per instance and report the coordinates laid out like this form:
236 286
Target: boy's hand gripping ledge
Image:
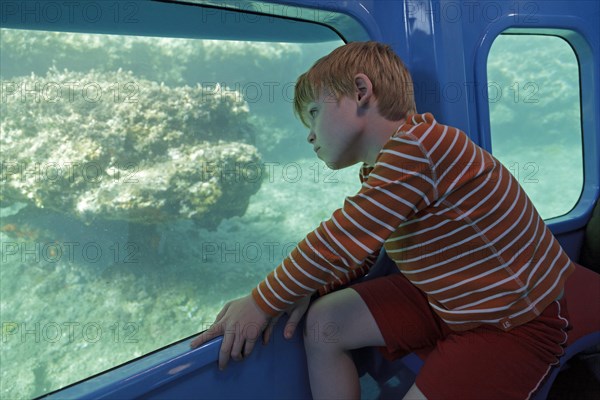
241 322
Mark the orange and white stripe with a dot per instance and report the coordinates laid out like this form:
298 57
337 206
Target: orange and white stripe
454 220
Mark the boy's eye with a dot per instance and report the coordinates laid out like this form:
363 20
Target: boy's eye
312 112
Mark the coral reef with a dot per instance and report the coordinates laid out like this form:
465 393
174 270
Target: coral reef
262 74
109 145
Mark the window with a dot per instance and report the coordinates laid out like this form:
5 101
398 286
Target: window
144 183
534 99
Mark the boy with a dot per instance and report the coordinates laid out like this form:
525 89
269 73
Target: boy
481 277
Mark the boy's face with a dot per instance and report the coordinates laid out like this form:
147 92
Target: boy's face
335 128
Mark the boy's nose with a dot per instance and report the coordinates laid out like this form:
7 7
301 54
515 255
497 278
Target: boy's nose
311 137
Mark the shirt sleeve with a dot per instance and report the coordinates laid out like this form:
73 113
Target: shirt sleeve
367 264
400 184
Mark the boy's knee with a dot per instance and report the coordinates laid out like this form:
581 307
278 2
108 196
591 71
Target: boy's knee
321 328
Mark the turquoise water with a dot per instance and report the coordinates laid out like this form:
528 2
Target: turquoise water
535 118
128 222
85 286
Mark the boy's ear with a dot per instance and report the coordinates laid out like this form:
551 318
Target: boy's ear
364 88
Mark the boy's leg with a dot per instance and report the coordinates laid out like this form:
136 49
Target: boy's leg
386 312
335 324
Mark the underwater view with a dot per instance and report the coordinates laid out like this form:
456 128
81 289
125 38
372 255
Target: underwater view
535 118
145 182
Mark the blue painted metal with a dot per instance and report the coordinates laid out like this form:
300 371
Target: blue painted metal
445 44
275 371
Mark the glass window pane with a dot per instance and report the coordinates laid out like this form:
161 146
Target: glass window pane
144 183
533 89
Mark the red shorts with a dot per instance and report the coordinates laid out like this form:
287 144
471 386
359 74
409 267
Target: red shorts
481 363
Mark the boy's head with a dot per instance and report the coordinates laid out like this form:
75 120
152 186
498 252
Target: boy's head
392 83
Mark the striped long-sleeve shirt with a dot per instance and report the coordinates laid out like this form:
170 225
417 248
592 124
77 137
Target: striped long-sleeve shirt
452 217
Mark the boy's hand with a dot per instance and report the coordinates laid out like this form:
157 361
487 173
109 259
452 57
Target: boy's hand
296 312
241 322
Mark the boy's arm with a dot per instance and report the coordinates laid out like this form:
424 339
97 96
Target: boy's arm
400 185
351 276
363 175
